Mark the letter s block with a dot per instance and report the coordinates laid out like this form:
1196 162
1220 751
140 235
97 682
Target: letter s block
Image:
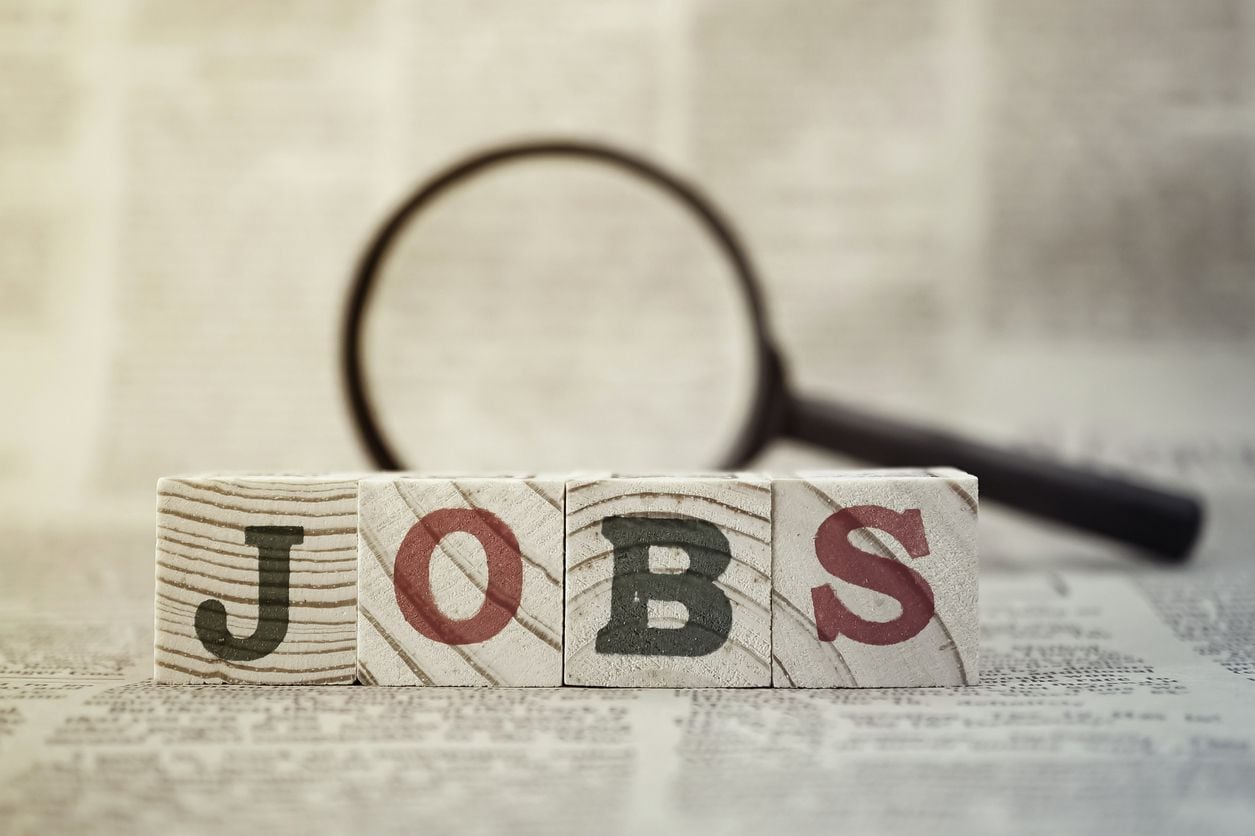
256 579
460 581
874 579
668 581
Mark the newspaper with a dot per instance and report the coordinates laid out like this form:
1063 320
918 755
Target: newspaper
1110 701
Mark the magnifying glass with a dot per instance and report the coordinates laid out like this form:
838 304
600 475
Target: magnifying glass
560 312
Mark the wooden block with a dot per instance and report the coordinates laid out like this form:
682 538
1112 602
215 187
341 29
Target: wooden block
668 581
256 579
875 580
460 581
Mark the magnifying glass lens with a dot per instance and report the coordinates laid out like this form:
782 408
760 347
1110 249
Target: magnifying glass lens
556 314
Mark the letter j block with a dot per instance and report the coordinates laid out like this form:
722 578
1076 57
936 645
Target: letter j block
668 581
256 579
875 579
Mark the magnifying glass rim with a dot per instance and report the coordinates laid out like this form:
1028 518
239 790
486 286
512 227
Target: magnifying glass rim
766 407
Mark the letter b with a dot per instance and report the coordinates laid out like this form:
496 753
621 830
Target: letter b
634 586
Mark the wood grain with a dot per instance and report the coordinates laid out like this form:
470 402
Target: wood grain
946 650
528 649
202 556
739 506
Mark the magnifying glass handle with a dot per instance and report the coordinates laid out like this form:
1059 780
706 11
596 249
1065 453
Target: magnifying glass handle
1164 524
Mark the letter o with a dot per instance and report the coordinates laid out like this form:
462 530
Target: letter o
411 576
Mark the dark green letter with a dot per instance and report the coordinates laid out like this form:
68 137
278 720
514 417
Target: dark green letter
274 547
634 586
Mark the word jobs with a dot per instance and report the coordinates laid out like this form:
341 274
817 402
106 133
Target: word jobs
813 580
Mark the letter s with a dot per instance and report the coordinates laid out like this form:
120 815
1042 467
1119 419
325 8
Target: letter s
872 571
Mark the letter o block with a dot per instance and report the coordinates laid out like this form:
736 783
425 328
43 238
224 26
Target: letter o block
875 579
460 581
669 581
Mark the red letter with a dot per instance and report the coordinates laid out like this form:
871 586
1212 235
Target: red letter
872 571
411 576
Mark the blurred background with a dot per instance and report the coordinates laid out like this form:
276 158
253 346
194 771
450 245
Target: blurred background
1034 221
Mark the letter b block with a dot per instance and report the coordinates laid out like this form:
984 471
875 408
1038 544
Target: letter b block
875 580
668 581
460 581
